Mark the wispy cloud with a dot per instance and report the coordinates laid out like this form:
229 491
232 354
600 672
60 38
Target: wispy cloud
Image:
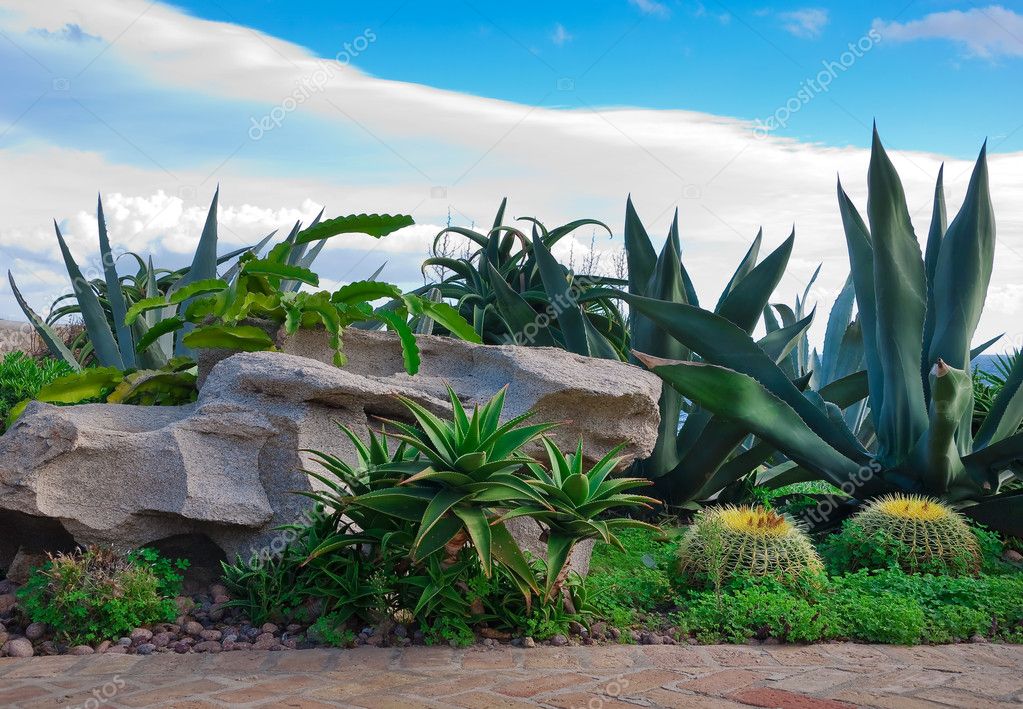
808 22
560 35
651 7
70 32
986 32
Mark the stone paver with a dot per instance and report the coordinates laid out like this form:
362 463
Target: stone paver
833 676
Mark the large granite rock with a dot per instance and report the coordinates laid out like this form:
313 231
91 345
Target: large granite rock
216 476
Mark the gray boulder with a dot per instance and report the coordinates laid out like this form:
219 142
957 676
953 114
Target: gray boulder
212 479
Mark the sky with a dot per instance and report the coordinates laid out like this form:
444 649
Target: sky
740 115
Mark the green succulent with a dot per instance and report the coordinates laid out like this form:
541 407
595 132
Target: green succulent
514 290
918 313
920 534
725 542
468 470
576 501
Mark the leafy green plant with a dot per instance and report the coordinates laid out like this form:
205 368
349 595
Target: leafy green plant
21 377
573 501
917 314
97 593
914 533
515 291
724 542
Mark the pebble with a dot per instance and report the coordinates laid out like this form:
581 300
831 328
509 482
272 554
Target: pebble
19 647
647 638
211 646
559 641
7 603
116 650
4 637
181 648
192 627
218 589
102 647
210 634
163 639
575 628
146 649
528 642
81 650
141 635
265 642
35 631
269 628
978 639
1012 556
124 642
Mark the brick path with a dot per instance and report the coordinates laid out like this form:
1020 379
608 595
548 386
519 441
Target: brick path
814 677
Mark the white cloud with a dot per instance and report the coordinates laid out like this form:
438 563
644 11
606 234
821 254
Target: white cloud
987 32
555 164
651 7
560 36
807 22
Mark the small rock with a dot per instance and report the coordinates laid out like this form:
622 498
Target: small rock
181 648
575 628
102 647
192 627
400 631
772 641
269 628
210 635
141 635
528 642
615 633
559 641
241 645
48 648
19 647
146 649
598 629
163 639
218 589
230 638
184 604
81 650
116 650
7 603
124 642
211 646
265 642
978 639
647 638
1012 556
35 631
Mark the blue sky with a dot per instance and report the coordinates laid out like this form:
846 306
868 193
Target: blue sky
739 116
730 59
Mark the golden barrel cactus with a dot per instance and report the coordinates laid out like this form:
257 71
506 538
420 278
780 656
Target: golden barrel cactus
733 540
930 536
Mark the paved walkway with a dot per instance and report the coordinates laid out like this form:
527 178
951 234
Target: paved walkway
815 677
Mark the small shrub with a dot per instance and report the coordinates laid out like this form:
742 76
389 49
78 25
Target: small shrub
726 542
914 533
21 377
97 593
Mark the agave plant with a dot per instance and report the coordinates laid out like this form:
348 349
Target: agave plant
918 313
515 291
705 454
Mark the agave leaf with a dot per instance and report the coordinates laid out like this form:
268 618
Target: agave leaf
934 236
507 552
838 323
376 225
747 264
780 342
1002 513
639 252
721 342
744 400
54 342
518 315
900 290
204 266
115 296
748 298
1006 413
95 319
569 315
982 348
476 523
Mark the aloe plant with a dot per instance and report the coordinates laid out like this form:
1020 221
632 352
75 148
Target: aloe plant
916 312
514 291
